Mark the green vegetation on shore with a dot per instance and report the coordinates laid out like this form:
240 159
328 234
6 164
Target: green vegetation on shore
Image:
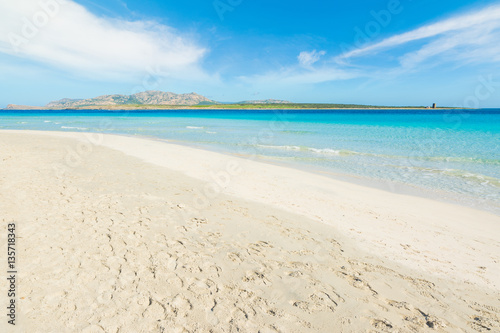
288 106
304 106
160 100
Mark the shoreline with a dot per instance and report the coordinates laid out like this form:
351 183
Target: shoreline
378 184
173 108
378 201
132 234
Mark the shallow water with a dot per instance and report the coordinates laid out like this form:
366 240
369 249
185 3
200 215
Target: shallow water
453 154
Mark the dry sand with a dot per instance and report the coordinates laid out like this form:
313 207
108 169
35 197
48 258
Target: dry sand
119 234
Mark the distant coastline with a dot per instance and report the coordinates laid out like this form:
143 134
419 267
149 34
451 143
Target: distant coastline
158 100
288 106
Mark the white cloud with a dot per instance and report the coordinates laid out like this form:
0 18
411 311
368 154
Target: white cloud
463 39
299 76
306 59
304 73
456 31
480 43
65 35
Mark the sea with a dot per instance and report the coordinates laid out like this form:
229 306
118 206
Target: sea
450 155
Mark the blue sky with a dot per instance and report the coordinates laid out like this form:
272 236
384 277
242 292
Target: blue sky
390 52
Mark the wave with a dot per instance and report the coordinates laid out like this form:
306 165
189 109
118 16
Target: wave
449 172
409 157
459 159
463 174
281 147
322 151
475 177
340 152
78 128
194 127
297 132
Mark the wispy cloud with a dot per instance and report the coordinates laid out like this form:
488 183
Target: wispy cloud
306 59
451 33
305 71
65 35
298 76
464 47
463 39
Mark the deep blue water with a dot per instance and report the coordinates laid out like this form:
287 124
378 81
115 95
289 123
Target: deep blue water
454 154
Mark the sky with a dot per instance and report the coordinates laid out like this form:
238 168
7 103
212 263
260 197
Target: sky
374 52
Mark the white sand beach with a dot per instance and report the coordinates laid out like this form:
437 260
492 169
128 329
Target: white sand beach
122 234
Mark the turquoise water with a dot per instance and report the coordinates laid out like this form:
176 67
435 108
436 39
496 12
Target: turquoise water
453 154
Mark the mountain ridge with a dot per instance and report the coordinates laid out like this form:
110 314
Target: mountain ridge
150 97
157 100
142 99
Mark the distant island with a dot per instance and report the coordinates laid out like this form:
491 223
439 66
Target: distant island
154 100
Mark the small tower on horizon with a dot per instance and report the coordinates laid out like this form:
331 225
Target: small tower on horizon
434 105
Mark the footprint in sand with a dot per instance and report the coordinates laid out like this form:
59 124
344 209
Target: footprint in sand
257 278
234 257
